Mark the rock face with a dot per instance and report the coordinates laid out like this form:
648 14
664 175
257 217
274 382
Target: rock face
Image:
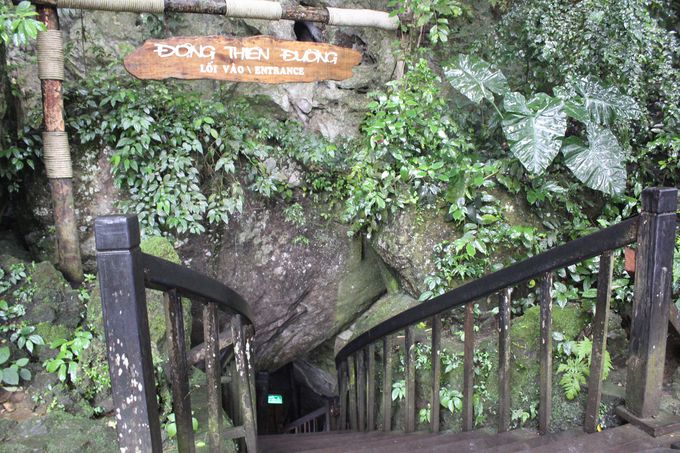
301 295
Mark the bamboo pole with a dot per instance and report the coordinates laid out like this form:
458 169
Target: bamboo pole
236 8
68 241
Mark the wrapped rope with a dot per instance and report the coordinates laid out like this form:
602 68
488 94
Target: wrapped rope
362 18
50 55
132 6
57 155
257 9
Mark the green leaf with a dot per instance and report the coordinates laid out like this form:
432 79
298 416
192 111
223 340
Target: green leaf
601 164
25 374
534 129
4 354
10 376
606 104
22 362
475 78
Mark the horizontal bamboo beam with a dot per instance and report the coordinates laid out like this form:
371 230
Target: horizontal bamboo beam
269 10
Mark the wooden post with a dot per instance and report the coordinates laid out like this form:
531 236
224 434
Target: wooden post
604 295
68 241
213 374
468 368
545 353
343 393
370 389
361 389
649 328
387 384
179 372
504 348
410 397
126 325
436 371
352 388
242 368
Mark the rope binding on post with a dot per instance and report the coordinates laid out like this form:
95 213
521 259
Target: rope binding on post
50 55
362 18
257 9
57 155
132 6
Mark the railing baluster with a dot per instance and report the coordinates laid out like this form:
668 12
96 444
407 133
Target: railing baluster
436 372
212 371
410 397
352 387
179 373
343 394
126 325
370 392
504 350
387 383
545 352
361 389
468 368
234 393
243 370
604 291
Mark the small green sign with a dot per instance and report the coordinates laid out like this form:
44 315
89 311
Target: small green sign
274 399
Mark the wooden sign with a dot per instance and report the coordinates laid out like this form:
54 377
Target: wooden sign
254 59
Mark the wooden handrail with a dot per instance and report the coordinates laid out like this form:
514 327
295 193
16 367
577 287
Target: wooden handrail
296 424
124 274
654 230
572 252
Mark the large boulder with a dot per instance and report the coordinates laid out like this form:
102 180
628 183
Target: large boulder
406 240
302 292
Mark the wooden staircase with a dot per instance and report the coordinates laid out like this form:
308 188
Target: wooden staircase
622 439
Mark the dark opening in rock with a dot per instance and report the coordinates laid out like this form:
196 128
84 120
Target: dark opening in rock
307 31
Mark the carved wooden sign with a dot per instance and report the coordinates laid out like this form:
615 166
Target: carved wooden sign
254 59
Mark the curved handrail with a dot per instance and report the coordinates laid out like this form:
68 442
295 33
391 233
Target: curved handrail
164 275
572 252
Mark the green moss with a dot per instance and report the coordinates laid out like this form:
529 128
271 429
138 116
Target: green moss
160 247
51 332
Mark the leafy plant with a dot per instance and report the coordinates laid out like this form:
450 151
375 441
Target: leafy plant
12 374
398 390
576 368
25 337
424 414
18 25
65 364
436 13
536 127
450 399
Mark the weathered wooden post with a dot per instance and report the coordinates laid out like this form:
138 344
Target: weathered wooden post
57 156
653 271
121 280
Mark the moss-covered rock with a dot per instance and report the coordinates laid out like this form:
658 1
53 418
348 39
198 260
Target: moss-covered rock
383 309
60 432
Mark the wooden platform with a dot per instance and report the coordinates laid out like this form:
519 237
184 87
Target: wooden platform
622 439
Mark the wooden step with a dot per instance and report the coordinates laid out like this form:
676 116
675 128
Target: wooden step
419 441
288 443
483 443
538 441
612 439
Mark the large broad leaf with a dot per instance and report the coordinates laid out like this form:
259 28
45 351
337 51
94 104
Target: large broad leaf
600 164
606 104
534 129
475 78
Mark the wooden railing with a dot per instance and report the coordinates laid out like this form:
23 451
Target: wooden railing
124 273
315 421
654 232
